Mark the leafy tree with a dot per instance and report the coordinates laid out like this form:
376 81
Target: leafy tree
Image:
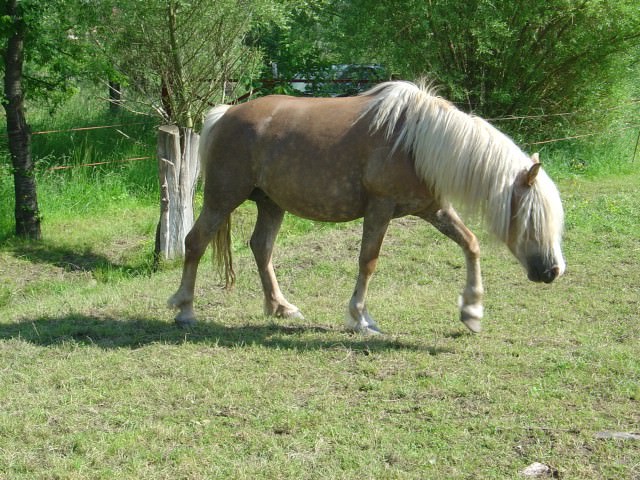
299 46
40 55
180 56
497 57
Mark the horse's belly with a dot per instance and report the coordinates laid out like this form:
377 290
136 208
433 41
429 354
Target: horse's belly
317 196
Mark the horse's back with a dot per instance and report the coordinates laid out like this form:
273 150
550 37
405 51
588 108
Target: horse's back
317 120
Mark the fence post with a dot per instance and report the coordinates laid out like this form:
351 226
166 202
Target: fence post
178 168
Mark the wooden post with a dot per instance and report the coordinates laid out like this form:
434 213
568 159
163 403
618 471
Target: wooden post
178 169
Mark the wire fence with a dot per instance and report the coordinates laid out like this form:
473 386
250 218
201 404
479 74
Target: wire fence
584 135
84 129
90 128
95 164
633 101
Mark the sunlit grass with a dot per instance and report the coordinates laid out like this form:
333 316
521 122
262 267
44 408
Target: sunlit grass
83 171
98 382
595 157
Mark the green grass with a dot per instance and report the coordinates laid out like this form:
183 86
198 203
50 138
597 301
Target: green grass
97 382
603 155
82 190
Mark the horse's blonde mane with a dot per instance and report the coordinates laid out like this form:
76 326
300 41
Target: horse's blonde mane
463 158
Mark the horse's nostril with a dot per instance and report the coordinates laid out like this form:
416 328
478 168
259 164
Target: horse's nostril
552 274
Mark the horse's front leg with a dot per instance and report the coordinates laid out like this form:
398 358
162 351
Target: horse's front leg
449 223
376 222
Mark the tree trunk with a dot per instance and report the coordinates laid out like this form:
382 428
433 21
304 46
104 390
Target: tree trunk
115 97
27 214
178 169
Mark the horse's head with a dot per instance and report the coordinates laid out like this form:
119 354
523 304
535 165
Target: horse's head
536 224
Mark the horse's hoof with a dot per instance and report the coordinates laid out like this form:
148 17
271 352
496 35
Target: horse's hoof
365 330
370 331
185 321
472 323
471 315
367 327
283 311
293 315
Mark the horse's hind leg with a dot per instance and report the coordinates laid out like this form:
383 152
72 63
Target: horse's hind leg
449 223
262 242
196 243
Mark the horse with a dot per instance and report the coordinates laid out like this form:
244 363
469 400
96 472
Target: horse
397 149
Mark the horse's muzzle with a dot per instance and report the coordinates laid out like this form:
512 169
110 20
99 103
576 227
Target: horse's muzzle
546 276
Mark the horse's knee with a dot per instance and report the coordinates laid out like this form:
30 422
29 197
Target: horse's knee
473 247
194 245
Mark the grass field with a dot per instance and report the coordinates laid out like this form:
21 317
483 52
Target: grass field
96 381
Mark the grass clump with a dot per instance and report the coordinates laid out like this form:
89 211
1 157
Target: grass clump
595 158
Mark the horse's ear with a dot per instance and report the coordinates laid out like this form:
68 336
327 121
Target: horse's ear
535 158
533 173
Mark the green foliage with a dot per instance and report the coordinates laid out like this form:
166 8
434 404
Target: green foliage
182 56
80 190
7 222
497 58
596 157
298 46
54 54
501 57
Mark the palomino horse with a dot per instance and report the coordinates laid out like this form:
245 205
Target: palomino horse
395 150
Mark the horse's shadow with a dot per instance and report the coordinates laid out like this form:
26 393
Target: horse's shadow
108 332
130 331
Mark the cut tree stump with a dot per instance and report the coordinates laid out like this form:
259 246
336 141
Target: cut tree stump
178 169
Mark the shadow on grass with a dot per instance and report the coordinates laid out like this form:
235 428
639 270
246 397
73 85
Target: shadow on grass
111 333
72 260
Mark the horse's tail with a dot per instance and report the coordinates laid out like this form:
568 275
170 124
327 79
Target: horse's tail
221 243
222 257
